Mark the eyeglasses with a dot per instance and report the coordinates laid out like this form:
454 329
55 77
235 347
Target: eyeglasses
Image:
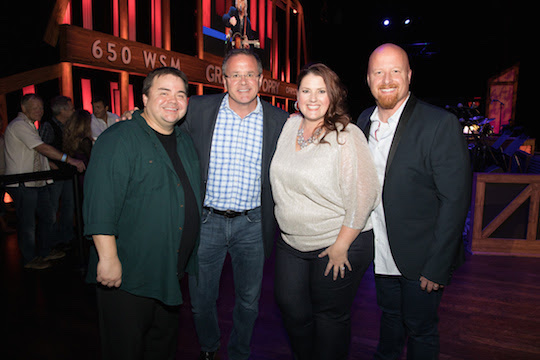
238 77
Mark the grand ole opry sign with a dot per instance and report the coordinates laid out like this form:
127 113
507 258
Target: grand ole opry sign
94 49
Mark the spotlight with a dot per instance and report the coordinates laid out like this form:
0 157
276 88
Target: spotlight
386 22
407 21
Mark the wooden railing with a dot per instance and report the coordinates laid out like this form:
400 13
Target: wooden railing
481 240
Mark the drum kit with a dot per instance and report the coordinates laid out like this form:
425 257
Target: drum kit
473 123
476 129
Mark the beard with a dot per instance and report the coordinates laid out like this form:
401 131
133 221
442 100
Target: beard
388 102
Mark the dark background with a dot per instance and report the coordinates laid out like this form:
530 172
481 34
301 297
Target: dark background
467 43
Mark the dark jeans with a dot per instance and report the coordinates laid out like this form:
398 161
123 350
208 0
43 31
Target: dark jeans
135 327
316 309
31 203
241 237
63 203
407 311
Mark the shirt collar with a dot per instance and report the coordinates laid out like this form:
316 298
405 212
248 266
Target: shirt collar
392 120
225 106
139 119
25 118
58 122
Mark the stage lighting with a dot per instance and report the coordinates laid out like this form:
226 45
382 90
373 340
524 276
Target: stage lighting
386 22
407 21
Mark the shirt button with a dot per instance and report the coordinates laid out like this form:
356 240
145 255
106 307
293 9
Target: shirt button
181 205
180 228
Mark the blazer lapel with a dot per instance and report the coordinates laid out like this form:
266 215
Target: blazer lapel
402 125
365 124
268 134
208 119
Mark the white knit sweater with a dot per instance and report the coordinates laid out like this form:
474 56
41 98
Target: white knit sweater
322 187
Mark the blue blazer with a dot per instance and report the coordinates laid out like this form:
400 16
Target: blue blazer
200 122
426 191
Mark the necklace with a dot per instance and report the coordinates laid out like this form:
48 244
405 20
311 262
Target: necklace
303 142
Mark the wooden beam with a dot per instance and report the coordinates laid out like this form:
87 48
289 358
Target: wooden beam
275 57
507 211
480 241
36 76
199 34
66 80
515 247
166 24
3 113
506 178
124 18
532 224
51 32
479 194
124 91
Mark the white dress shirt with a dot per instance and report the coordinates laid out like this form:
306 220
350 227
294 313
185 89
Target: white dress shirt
381 136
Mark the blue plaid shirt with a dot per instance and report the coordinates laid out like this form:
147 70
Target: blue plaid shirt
234 172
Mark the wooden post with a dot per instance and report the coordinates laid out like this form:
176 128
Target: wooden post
123 77
3 112
534 208
200 36
124 91
123 21
275 57
166 24
66 79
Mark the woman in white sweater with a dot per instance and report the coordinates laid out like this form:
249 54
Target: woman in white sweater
325 186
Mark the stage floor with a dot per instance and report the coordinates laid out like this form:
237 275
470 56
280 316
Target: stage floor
490 311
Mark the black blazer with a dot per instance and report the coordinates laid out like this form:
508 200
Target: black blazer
426 191
199 123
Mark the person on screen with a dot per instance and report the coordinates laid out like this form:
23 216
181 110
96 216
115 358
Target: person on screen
241 35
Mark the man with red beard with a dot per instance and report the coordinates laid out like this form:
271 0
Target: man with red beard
422 161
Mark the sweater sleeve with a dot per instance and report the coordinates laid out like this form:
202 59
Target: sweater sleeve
360 188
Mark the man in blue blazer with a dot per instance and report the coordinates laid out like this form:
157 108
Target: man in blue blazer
423 163
235 135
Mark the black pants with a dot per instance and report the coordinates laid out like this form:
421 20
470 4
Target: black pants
409 314
135 327
316 309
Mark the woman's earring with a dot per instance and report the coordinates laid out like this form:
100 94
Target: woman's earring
296 105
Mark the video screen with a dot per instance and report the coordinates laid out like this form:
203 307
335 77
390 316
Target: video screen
230 24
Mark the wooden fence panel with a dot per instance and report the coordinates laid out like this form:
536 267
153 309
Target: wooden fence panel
481 240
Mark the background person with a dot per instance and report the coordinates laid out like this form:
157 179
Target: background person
61 190
102 118
25 152
78 140
237 20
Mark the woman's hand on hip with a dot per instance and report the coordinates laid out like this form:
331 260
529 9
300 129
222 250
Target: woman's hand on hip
338 261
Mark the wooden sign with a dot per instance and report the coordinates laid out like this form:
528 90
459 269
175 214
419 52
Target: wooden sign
92 48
